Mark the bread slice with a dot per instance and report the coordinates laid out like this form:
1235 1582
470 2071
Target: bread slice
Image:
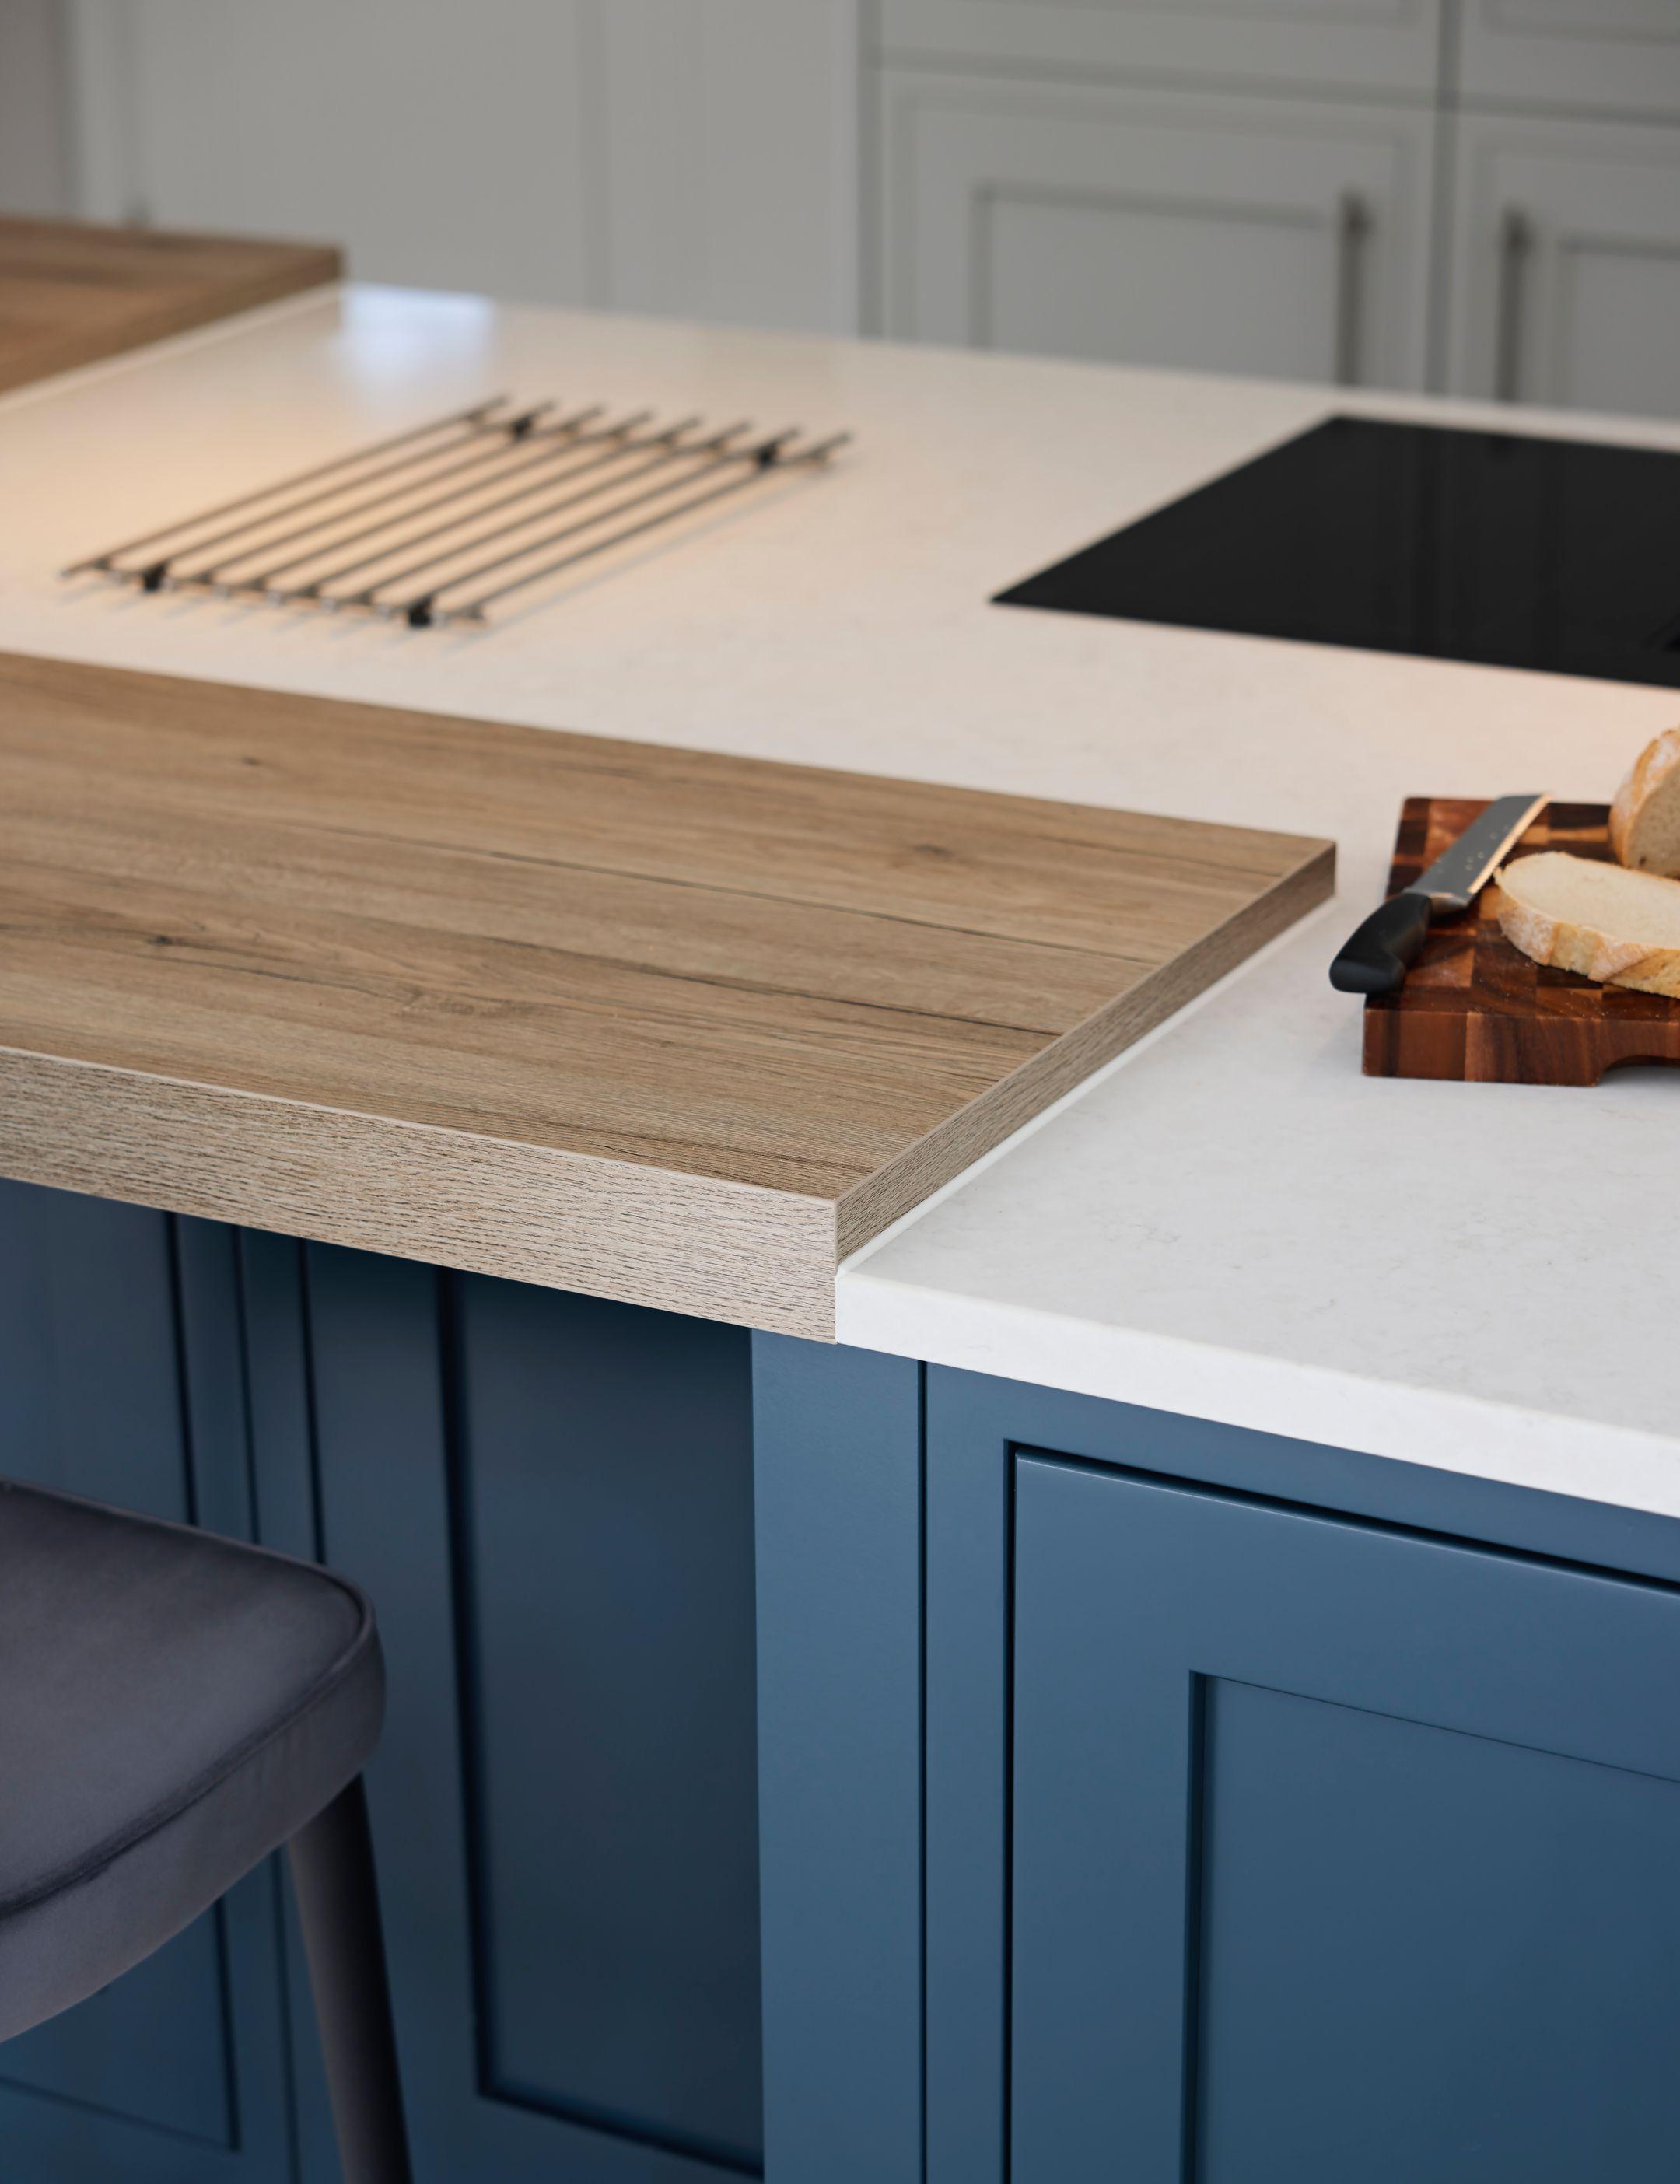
1602 920
1645 820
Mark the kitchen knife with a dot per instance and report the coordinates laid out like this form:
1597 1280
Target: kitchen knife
1375 959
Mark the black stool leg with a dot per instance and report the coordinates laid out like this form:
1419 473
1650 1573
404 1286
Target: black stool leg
332 1871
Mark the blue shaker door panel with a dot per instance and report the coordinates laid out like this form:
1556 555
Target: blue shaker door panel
1338 1850
120 1378
607 1566
549 1498
838 1480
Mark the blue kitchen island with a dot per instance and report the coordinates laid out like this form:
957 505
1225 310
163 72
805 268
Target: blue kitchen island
1183 1687
1114 1792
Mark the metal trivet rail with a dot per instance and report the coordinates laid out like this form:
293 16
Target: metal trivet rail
437 524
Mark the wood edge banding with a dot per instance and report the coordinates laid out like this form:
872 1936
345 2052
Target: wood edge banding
728 1251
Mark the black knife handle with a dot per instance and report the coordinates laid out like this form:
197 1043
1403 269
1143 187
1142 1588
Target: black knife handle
1375 959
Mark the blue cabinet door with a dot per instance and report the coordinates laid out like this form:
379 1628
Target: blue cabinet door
120 1378
1336 1849
550 1499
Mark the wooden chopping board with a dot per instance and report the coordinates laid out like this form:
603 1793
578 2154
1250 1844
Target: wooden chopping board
655 1024
1475 1008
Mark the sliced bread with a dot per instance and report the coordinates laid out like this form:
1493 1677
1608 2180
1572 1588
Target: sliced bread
1645 820
1601 920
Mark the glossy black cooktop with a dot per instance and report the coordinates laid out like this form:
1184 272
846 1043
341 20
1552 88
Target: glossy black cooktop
1489 546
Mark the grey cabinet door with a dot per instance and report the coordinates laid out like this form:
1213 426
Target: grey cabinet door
1565 274
1581 56
1338 1850
1389 46
1245 236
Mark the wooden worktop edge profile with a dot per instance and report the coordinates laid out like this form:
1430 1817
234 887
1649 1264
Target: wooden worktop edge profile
732 1251
737 1252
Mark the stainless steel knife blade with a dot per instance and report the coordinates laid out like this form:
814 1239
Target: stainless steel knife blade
1458 874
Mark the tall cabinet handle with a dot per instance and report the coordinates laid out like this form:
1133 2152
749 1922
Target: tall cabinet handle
1353 228
1516 244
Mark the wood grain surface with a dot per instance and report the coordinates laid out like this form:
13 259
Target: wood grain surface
649 1023
1474 1007
71 292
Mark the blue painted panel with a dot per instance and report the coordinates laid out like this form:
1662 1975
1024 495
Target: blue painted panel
1431 1955
121 1377
984 1417
605 1497
283 1472
837 1460
90 1378
975 1424
276 1337
1336 1849
505 1469
372 1332
970 1482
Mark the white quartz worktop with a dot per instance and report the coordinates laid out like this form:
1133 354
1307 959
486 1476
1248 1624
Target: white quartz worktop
1231 1221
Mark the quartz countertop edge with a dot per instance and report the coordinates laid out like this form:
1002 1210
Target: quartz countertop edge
1435 1427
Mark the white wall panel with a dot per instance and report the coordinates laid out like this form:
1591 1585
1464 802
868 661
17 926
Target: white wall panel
732 141
1385 46
35 155
657 154
443 145
1581 56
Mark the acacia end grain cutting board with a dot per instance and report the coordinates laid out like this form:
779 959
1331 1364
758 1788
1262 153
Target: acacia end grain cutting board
1473 1008
649 1023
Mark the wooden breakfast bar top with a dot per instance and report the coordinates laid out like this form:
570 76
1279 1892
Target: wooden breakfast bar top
73 291
669 1026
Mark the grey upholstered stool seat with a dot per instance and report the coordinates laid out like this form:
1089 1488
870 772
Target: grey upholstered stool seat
173 1706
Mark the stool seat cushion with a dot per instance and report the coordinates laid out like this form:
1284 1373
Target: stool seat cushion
173 1706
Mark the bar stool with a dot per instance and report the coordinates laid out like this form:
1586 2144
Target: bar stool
173 1706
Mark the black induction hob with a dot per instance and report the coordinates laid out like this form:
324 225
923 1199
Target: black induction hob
1520 552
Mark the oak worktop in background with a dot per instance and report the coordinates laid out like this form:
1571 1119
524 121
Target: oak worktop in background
72 292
